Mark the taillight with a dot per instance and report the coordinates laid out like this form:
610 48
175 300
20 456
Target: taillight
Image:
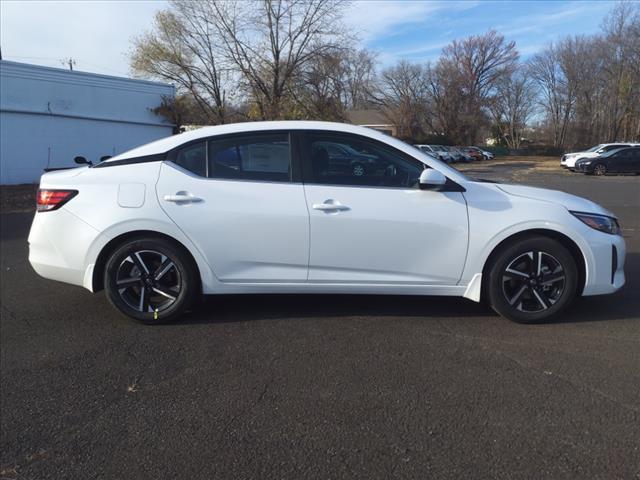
49 200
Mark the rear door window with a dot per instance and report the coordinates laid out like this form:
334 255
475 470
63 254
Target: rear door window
262 156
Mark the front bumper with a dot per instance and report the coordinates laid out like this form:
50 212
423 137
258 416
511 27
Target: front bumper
605 268
567 162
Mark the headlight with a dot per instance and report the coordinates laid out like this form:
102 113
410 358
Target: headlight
601 223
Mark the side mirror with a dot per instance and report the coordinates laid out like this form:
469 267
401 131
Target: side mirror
105 157
431 179
82 161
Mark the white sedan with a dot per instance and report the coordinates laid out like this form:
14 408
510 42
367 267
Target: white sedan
264 208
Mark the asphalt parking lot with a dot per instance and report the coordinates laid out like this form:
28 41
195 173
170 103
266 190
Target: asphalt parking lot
322 386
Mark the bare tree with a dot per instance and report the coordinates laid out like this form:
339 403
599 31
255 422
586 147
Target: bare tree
446 101
591 84
270 41
474 67
402 94
320 88
481 61
621 47
360 68
275 59
181 49
513 106
557 92
333 83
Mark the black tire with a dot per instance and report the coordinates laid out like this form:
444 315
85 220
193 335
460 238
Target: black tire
160 280
599 170
549 288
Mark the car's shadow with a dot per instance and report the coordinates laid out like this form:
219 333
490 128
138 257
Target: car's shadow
241 308
624 304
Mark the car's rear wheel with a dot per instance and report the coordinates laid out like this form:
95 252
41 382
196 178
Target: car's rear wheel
151 280
600 170
532 280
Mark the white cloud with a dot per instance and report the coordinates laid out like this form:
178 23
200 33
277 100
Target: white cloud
373 19
541 22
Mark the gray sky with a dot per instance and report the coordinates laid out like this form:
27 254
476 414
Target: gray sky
97 33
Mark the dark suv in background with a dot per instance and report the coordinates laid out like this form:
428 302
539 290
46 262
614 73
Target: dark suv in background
621 160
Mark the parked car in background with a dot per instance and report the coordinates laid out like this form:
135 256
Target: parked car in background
568 160
473 153
457 155
447 156
465 156
344 159
487 155
256 208
437 151
621 160
428 150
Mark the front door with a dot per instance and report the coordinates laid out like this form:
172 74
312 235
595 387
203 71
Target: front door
379 227
234 197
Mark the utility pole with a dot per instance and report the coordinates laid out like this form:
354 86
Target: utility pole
68 61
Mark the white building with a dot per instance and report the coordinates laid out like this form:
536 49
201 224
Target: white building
50 115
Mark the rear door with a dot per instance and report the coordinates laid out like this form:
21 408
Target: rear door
237 198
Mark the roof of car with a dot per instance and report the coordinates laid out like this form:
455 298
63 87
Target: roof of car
168 143
164 145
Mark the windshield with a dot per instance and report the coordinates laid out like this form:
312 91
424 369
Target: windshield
593 149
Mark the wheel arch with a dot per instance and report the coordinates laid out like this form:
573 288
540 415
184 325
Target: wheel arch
563 239
114 243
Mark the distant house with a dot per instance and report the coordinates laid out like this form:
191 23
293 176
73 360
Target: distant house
48 116
372 118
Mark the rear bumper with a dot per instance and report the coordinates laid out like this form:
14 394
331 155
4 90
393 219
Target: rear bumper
58 246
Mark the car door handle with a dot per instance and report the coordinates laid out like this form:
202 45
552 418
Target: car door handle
181 197
330 206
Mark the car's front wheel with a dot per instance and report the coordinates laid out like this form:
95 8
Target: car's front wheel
600 170
532 280
151 280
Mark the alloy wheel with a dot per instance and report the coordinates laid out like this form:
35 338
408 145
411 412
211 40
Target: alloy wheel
148 281
600 169
358 170
534 281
